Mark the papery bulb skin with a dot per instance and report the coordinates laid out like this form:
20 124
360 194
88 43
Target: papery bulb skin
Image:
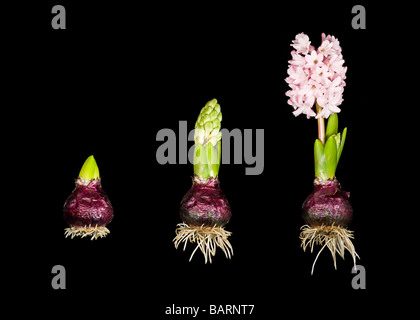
88 205
327 205
205 204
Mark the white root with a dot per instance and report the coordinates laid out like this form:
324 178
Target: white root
337 239
95 232
207 238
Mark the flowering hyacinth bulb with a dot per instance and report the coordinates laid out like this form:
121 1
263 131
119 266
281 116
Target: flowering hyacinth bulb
327 205
316 75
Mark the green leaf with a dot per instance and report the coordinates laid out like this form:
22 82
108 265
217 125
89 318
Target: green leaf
331 156
332 126
341 146
201 168
337 138
89 169
320 163
219 148
207 159
214 159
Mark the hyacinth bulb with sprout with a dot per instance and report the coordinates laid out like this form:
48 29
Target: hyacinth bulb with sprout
88 209
204 209
316 78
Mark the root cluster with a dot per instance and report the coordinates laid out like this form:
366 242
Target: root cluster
207 238
337 239
95 232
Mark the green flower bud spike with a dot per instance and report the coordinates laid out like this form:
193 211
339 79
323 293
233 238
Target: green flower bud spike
89 170
207 136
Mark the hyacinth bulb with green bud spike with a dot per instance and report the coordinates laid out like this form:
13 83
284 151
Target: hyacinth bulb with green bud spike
205 210
88 209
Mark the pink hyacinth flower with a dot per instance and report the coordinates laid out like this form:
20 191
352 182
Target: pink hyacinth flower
316 75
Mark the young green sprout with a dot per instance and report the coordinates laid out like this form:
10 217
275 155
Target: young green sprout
88 210
204 209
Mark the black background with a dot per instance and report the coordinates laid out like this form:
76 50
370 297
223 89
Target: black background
117 75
